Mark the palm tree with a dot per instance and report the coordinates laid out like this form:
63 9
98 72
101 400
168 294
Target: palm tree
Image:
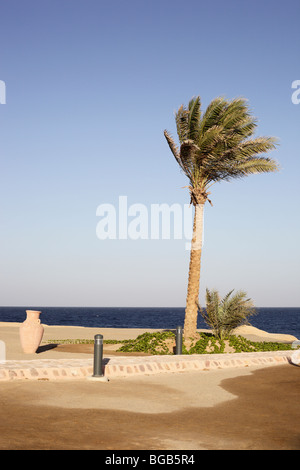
224 315
217 145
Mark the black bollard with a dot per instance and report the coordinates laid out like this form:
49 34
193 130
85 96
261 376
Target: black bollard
98 356
179 340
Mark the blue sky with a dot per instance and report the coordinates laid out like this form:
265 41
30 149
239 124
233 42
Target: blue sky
90 87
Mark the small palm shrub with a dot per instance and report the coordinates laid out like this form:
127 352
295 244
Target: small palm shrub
224 315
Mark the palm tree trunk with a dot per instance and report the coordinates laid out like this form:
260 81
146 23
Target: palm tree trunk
191 311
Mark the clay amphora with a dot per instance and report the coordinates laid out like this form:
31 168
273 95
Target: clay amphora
31 332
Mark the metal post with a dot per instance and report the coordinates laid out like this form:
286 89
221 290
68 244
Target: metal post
179 340
98 360
98 356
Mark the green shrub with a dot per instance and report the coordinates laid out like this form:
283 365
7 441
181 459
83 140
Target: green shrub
158 343
151 343
161 343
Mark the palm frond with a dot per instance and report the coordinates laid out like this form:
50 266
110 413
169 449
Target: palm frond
256 165
247 128
218 145
172 145
194 118
182 123
235 113
188 156
212 137
251 147
213 114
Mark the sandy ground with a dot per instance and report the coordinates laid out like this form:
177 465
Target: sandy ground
223 409
9 333
245 408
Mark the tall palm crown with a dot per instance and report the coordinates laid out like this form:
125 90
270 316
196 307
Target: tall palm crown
214 146
217 144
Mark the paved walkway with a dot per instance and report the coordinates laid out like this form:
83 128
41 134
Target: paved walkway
60 369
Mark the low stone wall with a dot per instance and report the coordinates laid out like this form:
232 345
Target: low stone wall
66 369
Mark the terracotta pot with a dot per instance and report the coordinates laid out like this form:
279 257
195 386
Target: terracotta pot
31 332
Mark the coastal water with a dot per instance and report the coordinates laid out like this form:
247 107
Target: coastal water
273 320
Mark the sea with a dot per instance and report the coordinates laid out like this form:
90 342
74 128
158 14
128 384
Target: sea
272 320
